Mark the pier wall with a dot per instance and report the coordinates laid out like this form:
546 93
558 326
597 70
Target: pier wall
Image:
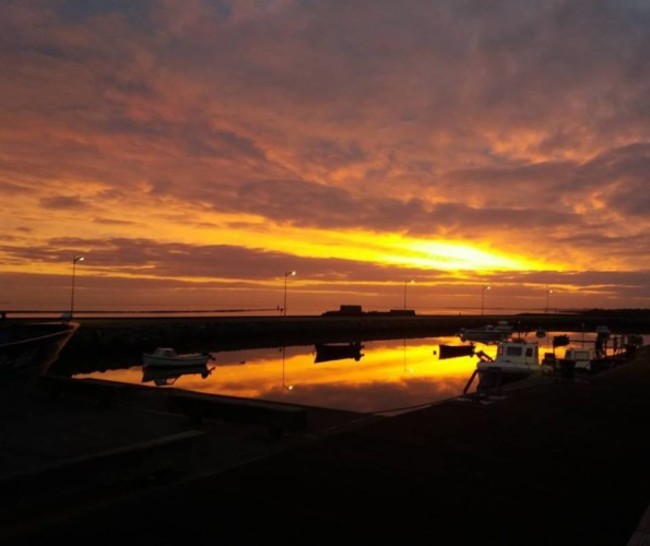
232 332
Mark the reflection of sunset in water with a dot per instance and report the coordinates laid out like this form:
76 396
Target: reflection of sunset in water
390 374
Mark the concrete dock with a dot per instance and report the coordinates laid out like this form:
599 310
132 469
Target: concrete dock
554 461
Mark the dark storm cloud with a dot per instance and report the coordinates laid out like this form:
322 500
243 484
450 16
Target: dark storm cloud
327 152
79 11
63 202
627 170
313 205
202 140
629 247
536 175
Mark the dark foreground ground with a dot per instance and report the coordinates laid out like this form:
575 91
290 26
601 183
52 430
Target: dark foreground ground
557 461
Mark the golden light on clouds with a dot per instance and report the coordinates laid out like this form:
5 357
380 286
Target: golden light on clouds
520 156
381 249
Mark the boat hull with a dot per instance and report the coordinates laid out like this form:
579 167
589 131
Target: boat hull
490 377
27 350
179 361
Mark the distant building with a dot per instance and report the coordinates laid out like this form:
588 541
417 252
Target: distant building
357 311
402 312
346 310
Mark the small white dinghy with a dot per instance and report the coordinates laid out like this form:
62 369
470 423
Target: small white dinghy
167 356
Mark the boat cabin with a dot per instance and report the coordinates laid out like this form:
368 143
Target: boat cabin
580 357
517 352
515 359
165 352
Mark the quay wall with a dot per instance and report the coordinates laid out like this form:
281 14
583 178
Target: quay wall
222 333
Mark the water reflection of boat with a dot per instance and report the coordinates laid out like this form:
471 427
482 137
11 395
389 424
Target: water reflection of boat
338 351
167 375
454 351
28 349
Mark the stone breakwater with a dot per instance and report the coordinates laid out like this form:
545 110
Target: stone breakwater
224 333
215 333
100 343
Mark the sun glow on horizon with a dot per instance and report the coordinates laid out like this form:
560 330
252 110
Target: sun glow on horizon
382 248
388 249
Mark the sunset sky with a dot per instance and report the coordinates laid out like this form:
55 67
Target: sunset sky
195 151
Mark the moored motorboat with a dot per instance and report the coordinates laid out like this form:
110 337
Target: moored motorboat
167 356
579 358
519 358
28 349
516 359
602 356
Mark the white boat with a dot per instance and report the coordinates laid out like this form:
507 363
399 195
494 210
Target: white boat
581 358
167 356
515 359
490 333
28 349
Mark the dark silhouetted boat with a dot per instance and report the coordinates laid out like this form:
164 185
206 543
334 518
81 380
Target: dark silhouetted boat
28 349
490 333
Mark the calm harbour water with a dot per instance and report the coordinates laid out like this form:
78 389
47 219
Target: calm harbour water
390 376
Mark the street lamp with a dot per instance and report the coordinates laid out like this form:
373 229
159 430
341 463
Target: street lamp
286 276
74 266
483 290
548 297
405 283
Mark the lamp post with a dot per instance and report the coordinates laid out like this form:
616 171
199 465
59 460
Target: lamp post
286 276
75 259
548 298
405 283
483 290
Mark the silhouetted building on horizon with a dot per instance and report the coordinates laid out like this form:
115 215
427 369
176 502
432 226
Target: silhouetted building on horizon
357 311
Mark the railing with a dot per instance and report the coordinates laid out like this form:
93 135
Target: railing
28 313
